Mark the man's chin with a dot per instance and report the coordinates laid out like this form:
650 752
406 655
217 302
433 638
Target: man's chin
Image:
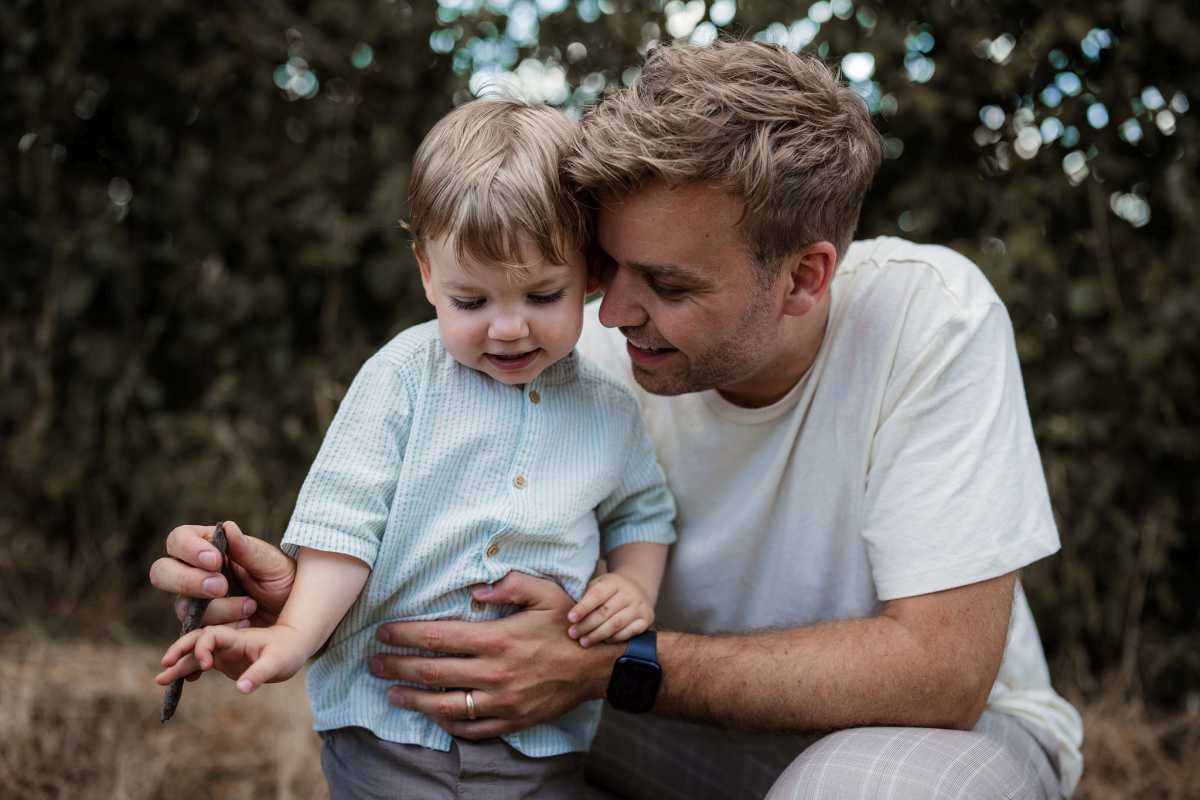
656 382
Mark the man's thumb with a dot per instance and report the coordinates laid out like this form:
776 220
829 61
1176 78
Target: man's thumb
517 588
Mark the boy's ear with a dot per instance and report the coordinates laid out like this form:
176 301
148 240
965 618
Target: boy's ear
426 274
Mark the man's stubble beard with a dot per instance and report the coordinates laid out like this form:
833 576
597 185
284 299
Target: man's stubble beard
736 358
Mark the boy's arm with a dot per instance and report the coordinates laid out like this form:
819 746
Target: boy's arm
327 584
641 562
619 604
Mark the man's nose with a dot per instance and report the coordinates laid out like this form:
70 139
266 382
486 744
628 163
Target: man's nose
508 327
620 307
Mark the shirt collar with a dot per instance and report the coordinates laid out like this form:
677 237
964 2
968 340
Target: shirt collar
562 371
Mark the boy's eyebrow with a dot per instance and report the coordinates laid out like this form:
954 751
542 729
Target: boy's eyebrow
546 282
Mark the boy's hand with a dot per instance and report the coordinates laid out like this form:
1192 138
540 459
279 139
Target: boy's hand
613 609
273 654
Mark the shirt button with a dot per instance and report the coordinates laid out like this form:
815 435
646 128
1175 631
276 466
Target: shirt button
534 397
519 481
476 605
493 550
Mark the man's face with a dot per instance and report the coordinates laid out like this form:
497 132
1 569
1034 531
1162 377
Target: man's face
506 327
681 285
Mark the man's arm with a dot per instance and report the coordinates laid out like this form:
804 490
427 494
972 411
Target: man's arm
927 661
924 661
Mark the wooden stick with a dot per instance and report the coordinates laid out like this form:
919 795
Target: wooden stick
196 607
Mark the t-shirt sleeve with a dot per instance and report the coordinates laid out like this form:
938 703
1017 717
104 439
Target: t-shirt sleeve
344 503
641 509
955 490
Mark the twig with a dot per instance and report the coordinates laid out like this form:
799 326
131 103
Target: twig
196 607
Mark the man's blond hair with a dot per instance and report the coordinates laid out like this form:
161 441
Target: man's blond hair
489 177
775 128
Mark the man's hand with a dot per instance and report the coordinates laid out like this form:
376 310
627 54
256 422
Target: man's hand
523 669
192 569
613 609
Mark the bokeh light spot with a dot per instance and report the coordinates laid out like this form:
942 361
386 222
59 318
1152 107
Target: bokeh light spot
363 55
722 12
120 192
1130 207
1075 165
992 116
1068 83
858 67
1130 131
820 12
1051 128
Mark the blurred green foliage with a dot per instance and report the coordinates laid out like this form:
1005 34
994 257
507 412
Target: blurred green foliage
200 245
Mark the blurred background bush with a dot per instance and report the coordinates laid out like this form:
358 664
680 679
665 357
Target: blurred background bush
200 245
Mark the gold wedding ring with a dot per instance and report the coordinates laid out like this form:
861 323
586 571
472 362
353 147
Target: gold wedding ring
470 705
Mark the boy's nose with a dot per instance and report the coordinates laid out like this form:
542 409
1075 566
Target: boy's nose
508 328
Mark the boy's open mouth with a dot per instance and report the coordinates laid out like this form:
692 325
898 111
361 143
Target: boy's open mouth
512 361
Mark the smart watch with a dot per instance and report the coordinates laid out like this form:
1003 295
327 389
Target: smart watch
636 676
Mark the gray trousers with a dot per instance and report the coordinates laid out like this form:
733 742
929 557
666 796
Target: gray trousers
638 757
360 766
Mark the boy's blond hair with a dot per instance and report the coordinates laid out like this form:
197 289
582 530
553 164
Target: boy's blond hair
775 128
489 176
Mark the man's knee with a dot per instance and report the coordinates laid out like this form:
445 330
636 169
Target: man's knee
904 764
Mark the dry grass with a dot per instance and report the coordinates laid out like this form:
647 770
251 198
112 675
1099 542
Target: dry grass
81 720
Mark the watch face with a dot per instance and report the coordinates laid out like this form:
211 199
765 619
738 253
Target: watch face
634 684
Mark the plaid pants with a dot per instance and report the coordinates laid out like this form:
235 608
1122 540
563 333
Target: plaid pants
642 756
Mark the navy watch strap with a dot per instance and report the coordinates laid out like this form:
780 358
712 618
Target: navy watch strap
644 647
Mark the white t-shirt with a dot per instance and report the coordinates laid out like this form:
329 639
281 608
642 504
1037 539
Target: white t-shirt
902 463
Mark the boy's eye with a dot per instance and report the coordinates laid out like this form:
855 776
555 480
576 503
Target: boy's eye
542 299
467 304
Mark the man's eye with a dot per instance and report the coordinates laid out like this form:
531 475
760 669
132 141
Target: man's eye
542 299
666 292
467 304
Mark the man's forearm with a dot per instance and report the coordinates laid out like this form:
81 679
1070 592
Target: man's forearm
923 662
828 676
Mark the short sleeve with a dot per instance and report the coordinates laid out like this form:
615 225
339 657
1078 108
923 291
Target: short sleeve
955 489
344 503
641 508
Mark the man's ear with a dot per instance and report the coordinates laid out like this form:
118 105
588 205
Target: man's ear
806 275
426 274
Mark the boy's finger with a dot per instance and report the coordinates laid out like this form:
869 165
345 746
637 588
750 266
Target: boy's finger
597 595
185 667
629 631
260 672
203 651
590 623
613 624
182 645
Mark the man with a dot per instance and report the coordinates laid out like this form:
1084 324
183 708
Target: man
845 430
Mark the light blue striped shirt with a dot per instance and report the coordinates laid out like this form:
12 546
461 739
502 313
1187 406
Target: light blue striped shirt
439 477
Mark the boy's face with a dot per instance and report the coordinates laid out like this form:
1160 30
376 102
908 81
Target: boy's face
510 329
